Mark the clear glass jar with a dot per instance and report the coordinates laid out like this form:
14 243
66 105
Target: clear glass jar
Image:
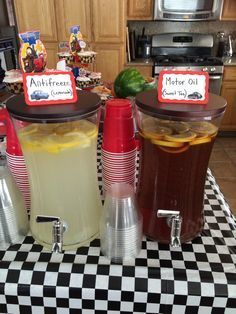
59 144
176 143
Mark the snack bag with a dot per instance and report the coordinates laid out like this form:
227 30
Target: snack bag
32 56
76 41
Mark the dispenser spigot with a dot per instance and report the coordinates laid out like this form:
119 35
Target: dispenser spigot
174 221
58 228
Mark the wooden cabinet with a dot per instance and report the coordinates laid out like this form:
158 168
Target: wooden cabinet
140 10
37 15
110 60
229 10
52 49
108 36
108 21
228 91
73 12
102 23
145 70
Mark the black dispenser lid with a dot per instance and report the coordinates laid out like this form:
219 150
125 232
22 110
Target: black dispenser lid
86 104
147 102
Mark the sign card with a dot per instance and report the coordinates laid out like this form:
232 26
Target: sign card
183 87
49 88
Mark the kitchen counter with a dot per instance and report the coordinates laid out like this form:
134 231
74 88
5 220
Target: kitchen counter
145 62
198 277
140 62
230 61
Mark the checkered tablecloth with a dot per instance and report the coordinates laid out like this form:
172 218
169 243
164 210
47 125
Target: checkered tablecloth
199 277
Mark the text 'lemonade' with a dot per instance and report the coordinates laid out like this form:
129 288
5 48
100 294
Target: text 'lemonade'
61 162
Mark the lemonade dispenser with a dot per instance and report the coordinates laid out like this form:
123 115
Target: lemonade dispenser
59 143
176 143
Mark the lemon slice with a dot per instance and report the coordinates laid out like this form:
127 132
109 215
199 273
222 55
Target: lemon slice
47 128
156 132
86 127
200 140
29 129
149 122
166 143
203 127
64 128
180 127
181 138
32 142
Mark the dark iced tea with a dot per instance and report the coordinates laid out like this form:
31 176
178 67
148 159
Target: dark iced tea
173 165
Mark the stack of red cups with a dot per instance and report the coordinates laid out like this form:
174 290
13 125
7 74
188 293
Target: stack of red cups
15 158
118 146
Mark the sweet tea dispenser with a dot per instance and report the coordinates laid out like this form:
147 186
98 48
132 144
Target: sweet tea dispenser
176 143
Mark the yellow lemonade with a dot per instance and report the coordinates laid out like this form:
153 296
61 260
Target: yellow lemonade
62 166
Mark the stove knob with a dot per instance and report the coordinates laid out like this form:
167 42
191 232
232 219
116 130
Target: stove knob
212 69
205 69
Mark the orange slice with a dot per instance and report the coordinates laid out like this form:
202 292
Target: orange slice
166 143
182 137
156 132
175 150
203 127
180 127
200 140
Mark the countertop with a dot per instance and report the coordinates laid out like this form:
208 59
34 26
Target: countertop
230 61
149 62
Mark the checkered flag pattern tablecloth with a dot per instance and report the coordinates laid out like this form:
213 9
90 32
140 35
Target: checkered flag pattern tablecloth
197 278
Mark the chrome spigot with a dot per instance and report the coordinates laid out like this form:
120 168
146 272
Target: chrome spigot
58 228
174 221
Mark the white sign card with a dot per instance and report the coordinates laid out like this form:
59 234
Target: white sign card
183 87
56 87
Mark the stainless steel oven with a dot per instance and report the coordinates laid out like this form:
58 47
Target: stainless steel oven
187 51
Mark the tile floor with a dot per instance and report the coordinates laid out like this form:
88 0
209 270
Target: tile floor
223 166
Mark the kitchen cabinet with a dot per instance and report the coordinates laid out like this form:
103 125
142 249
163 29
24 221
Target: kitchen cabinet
52 49
145 70
108 36
229 10
102 23
108 21
140 10
110 60
73 12
37 15
228 91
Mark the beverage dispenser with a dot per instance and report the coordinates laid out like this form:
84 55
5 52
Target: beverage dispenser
176 143
59 144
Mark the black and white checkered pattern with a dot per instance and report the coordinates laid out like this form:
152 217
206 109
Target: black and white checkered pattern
15 88
199 277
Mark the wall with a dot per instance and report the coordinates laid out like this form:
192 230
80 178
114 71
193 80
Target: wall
210 27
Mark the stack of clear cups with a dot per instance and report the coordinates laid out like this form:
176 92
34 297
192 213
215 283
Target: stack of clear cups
119 149
121 224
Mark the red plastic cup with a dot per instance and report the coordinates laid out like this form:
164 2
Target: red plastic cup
118 108
118 128
12 143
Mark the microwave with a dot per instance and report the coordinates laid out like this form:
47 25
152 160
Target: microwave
190 10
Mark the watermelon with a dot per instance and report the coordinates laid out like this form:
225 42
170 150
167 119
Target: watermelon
129 82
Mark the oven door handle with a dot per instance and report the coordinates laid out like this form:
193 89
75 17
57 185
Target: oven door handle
214 77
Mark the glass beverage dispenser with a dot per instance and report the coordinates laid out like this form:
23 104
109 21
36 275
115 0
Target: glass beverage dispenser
176 143
59 144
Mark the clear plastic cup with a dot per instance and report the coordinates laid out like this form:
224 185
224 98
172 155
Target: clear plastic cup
121 224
